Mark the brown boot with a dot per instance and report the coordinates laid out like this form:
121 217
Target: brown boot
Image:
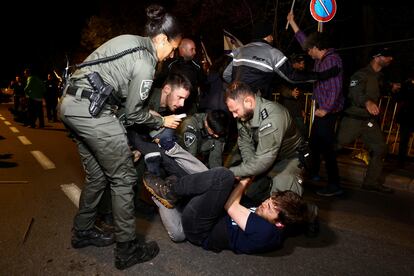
161 189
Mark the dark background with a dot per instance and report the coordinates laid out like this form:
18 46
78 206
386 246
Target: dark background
40 35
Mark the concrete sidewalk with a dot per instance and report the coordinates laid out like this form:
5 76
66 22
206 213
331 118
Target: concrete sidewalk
352 172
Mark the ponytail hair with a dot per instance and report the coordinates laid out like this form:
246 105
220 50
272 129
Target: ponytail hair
161 22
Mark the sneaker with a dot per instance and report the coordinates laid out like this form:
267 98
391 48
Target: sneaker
380 188
133 252
161 189
312 224
329 191
93 237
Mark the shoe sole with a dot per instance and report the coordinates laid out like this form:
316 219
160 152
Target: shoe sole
160 199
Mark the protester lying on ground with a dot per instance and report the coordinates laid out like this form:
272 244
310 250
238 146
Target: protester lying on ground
226 223
214 219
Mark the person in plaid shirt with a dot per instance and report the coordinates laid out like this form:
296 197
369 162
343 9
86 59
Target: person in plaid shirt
329 103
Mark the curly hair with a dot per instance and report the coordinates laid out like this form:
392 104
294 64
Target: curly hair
292 208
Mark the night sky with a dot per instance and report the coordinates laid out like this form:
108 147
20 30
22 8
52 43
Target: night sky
33 33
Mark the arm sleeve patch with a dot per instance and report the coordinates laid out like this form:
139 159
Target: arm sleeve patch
189 138
145 89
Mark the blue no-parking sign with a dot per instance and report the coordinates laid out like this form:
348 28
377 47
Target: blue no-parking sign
323 10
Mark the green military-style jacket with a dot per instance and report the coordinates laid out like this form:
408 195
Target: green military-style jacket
154 100
131 76
364 86
268 137
35 88
194 138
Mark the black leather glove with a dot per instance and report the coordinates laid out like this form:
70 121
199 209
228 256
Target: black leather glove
330 73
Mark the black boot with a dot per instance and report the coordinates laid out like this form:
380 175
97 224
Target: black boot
161 189
93 237
134 252
312 224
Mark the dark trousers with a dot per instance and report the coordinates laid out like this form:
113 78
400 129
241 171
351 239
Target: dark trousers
35 111
51 108
322 142
372 137
139 142
209 191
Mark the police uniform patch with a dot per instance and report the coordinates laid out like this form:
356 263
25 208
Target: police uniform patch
145 89
189 139
264 114
265 126
353 83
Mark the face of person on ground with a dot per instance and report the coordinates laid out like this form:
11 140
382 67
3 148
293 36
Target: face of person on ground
268 211
176 97
165 47
241 108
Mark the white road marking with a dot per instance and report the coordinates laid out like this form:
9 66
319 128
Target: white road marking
72 192
7 123
43 160
14 129
24 140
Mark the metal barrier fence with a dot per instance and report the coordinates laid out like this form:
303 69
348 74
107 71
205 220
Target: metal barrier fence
389 126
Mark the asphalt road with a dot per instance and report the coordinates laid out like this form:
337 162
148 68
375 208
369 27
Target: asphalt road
362 233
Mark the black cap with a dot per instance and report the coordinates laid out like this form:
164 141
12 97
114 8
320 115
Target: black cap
382 51
262 29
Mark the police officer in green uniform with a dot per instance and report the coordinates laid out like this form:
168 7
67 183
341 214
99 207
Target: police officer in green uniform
204 135
361 117
267 139
163 101
101 138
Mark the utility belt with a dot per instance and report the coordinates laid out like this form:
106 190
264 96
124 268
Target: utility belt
71 90
89 94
